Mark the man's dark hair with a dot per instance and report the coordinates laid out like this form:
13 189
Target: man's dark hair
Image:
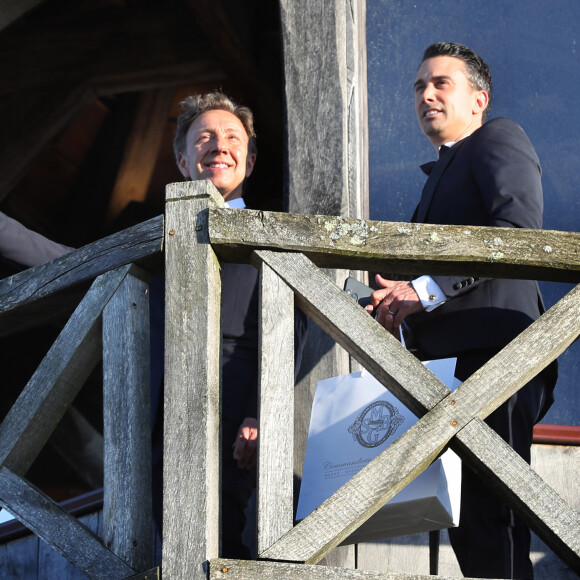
193 106
478 72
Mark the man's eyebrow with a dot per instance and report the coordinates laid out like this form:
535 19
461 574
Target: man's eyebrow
421 82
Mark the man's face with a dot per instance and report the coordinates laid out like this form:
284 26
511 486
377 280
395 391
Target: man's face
448 108
216 148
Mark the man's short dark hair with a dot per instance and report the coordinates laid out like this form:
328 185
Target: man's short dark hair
193 106
478 72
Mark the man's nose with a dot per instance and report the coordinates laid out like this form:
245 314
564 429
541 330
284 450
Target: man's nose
428 93
220 143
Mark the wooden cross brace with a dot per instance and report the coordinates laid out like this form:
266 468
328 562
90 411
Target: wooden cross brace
448 419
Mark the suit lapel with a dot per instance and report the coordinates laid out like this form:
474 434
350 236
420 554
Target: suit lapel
431 183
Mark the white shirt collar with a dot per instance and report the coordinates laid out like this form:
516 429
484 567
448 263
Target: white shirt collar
237 203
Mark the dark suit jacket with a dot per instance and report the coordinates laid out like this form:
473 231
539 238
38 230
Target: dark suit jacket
491 178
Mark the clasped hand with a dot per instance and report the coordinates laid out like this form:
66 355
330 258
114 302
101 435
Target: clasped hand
393 302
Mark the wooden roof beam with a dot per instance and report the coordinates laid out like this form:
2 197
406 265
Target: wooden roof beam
12 10
82 57
114 50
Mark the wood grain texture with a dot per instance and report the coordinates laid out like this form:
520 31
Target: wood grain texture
60 530
507 372
192 383
127 502
223 569
276 410
331 241
27 298
324 58
549 516
58 379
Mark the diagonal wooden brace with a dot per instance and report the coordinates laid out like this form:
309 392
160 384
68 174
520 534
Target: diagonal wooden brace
446 415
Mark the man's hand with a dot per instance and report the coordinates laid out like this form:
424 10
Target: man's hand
246 444
393 303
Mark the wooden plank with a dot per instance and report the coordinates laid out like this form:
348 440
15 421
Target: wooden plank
276 410
324 57
535 501
59 529
331 241
58 379
25 294
142 148
52 565
19 558
559 467
192 383
455 411
223 569
349 325
322 91
127 502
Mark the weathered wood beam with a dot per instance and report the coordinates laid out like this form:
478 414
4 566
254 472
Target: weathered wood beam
192 384
59 529
12 10
222 569
366 492
331 241
325 74
142 149
545 512
24 296
127 502
275 504
58 379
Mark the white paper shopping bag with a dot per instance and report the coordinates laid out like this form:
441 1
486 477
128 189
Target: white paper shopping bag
354 418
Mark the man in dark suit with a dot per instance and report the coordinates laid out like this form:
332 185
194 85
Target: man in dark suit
487 174
215 140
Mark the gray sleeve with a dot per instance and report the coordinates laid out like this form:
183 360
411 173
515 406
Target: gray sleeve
29 248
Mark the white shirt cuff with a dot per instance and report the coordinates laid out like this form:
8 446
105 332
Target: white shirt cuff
429 292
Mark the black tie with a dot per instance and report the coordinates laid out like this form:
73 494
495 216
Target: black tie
428 190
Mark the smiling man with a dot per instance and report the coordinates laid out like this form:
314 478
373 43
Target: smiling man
215 140
219 147
487 174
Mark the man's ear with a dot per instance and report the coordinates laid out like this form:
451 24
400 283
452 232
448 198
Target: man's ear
481 102
250 164
182 164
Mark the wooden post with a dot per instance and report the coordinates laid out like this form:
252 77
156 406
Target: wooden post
192 383
127 506
324 47
276 410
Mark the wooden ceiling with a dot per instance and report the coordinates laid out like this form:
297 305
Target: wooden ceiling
89 94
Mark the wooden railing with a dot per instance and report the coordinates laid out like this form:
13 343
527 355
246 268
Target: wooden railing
289 250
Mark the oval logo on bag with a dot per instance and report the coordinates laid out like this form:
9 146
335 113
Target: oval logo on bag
375 424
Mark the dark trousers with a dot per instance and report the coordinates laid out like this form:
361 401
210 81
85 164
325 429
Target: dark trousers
491 542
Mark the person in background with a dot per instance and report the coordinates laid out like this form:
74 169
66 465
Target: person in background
487 174
215 140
